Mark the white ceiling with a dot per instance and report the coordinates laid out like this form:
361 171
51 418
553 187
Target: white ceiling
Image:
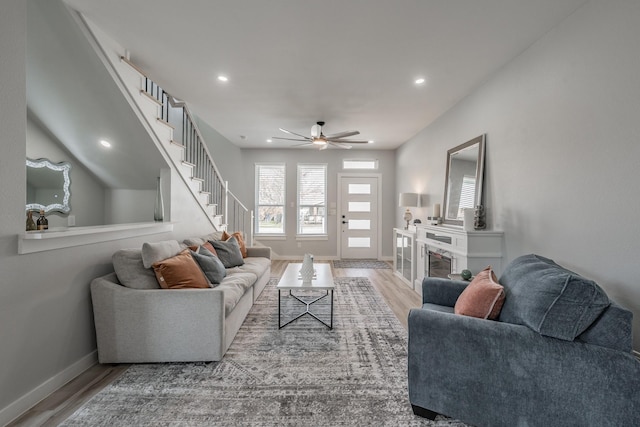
351 63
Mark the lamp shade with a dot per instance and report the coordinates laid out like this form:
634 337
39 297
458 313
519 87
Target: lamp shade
408 200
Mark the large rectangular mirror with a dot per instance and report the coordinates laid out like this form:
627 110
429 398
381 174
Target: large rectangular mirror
463 179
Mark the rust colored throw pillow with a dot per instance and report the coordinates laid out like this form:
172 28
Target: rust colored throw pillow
238 236
209 247
483 297
180 272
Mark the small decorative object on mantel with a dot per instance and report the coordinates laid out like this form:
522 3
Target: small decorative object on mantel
479 222
31 224
466 274
408 200
307 271
158 212
435 219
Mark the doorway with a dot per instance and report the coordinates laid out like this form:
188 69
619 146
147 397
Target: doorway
359 216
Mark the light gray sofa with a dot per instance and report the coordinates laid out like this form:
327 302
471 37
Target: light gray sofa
559 354
138 322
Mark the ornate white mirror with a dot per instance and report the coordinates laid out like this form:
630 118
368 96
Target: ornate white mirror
48 186
463 179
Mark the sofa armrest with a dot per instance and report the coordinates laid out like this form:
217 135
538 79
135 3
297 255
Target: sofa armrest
436 290
259 251
157 325
493 373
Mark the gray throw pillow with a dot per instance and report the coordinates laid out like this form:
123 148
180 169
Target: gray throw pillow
127 264
159 251
228 252
204 251
210 264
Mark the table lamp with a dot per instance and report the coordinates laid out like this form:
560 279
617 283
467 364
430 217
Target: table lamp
408 200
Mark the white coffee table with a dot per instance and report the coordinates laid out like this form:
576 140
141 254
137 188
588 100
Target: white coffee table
323 281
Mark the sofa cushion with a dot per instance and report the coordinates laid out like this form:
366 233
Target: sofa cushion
180 272
194 241
483 298
234 286
154 252
257 266
550 299
131 272
210 264
228 252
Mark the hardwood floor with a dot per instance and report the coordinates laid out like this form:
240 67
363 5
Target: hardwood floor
63 402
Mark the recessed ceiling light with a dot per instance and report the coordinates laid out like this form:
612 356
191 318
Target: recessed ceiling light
223 78
420 81
105 143
371 141
268 140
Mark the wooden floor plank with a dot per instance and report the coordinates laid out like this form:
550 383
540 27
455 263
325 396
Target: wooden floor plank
64 401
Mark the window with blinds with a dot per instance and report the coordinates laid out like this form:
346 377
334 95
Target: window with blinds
270 198
312 199
467 194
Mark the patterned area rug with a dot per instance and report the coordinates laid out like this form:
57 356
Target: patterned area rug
360 263
303 374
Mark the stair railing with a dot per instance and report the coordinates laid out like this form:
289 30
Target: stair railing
176 114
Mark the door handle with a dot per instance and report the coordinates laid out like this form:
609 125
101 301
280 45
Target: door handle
345 222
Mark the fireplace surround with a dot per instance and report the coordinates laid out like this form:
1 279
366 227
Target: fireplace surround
443 250
439 264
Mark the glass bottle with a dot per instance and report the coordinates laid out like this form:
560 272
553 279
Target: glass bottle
43 223
31 225
158 212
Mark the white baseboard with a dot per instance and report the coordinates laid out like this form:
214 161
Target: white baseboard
301 257
316 258
29 400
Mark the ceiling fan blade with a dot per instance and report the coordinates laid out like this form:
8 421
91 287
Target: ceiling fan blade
323 147
346 141
291 139
343 146
302 145
293 133
343 134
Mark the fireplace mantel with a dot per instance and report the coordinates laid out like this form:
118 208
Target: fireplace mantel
472 250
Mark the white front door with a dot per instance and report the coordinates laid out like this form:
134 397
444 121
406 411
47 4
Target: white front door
358 216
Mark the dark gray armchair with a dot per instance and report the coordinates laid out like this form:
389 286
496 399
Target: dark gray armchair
559 354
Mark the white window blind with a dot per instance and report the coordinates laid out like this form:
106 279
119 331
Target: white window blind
270 198
467 192
312 198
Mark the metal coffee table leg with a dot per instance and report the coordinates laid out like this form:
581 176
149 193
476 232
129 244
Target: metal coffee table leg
307 311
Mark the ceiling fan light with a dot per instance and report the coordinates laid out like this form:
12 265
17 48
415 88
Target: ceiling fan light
319 141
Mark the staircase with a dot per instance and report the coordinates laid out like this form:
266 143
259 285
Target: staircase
185 145
174 131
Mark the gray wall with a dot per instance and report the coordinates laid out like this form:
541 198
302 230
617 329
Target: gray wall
333 158
45 309
228 158
562 151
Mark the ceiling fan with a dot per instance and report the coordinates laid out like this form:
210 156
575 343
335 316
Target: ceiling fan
322 141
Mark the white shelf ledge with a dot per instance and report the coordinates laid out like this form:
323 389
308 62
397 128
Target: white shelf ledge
39 241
